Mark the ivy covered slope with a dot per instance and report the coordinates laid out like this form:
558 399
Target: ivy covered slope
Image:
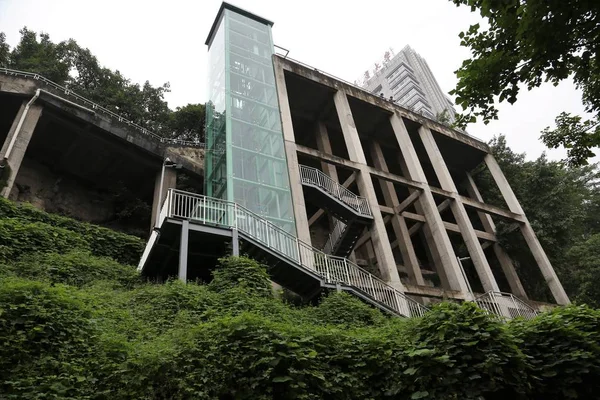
77 322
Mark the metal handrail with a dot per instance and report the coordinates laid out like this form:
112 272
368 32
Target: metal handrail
217 212
505 305
317 178
338 230
97 107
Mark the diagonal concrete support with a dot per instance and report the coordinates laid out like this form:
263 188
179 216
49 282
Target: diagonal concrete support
302 229
409 257
17 141
506 263
436 235
532 241
467 231
169 181
379 237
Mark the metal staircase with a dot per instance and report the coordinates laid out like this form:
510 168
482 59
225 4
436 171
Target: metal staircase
351 212
505 305
293 263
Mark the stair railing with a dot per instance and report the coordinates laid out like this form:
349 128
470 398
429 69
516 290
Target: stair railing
505 305
338 230
313 176
333 270
98 108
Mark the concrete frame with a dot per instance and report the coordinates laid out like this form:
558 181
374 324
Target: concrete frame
25 121
421 194
169 182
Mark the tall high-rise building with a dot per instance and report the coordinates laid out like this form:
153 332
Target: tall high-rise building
408 79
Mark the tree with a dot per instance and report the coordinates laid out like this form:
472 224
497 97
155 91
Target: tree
75 67
187 123
527 43
561 202
4 50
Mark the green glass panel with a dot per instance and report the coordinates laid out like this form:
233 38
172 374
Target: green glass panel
245 160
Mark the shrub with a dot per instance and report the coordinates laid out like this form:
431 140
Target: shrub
346 311
45 341
242 273
462 353
77 268
102 242
563 349
20 237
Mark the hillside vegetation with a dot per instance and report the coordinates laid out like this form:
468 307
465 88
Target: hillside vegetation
76 322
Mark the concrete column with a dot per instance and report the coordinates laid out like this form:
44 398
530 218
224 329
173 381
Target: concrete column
27 118
379 237
169 182
467 231
398 222
324 145
302 228
183 250
235 243
532 241
516 287
438 240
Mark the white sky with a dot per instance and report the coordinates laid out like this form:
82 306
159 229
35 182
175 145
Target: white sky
163 41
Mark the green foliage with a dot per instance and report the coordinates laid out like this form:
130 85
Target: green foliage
105 335
243 273
579 138
563 353
25 223
76 268
18 238
46 342
518 47
562 202
75 67
475 355
583 261
346 311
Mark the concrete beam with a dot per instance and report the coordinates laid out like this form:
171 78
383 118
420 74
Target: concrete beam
361 94
169 181
301 219
379 238
435 292
437 237
414 196
532 241
506 263
484 271
17 141
399 226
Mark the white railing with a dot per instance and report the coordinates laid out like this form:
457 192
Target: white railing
338 230
98 108
505 305
333 270
313 176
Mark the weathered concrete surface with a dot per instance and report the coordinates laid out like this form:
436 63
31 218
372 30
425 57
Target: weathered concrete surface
26 87
17 141
375 100
57 193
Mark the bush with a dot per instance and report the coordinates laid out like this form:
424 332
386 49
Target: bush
77 268
102 242
243 273
346 311
46 341
18 238
563 349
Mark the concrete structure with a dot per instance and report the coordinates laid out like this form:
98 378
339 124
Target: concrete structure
65 154
408 79
389 180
